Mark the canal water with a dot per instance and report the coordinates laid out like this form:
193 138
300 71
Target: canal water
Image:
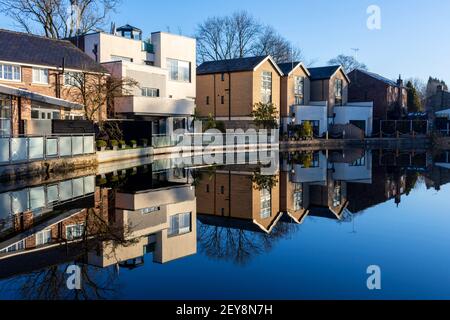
311 227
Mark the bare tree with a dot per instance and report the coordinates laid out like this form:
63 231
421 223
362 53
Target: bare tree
59 18
349 63
241 35
96 91
270 42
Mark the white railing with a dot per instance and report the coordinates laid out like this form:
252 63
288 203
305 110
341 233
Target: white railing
33 148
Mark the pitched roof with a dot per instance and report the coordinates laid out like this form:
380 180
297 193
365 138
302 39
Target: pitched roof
30 49
288 67
233 65
377 77
323 73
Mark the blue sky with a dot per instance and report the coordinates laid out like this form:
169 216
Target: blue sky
413 39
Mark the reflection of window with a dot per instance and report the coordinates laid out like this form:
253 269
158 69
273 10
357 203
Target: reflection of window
150 92
40 75
337 195
299 90
298 197
266 204
75 231
10 72
179 70
180 224
266 88
359 163
15 247
43 237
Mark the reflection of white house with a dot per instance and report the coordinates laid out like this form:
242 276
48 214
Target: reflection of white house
315 173
164 67
359 171
161 221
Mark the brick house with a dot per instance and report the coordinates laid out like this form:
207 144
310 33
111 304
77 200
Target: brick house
390 98
229 89
231 197
36 88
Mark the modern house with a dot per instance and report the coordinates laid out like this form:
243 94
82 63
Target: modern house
228 90
329 90
163 66
36 88
390 98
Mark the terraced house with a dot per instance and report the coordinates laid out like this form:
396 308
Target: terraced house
164 67
320 96
229 89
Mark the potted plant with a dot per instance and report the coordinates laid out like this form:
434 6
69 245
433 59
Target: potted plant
144 142
101 145
123 144
133 143
114 144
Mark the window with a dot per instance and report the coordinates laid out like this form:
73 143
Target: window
43 237
298 197
338 89
180 224
222 190
150 210
150 92
5 115
315 125
10 72
72 78
266 204
207 100
179 70
40 75
299 90
207 188
266 88
222 100
223 77
43 113
75 231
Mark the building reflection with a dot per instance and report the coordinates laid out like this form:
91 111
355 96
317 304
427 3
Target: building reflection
158 212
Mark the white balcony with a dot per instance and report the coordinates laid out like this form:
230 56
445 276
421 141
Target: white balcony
164 107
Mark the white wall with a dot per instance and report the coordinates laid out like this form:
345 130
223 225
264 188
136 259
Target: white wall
170 46
355 111
311 113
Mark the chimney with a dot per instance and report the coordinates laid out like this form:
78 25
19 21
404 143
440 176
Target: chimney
400 81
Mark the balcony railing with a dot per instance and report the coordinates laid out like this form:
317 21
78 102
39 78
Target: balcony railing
35 148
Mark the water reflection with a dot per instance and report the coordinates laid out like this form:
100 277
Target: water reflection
130 215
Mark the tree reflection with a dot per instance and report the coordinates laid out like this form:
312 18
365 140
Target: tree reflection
238 245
